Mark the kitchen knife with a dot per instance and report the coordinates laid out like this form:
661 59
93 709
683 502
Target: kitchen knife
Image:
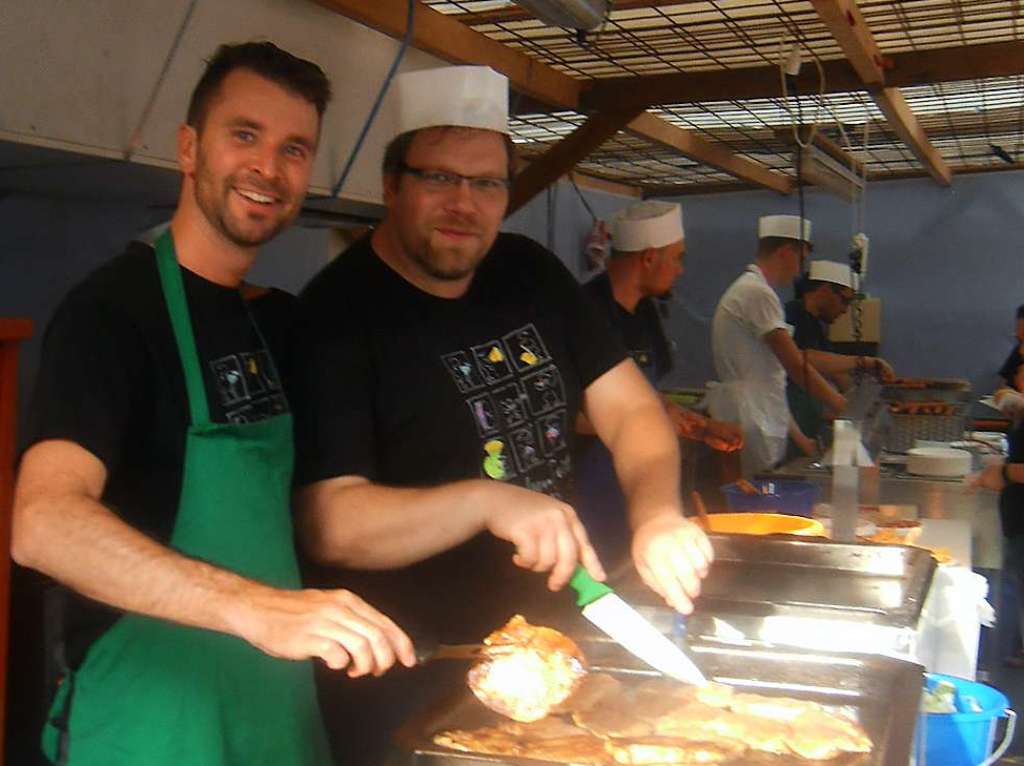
624 624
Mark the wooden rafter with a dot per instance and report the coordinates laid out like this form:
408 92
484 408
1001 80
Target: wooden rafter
902 70
844 20
561 157
446 38
692 145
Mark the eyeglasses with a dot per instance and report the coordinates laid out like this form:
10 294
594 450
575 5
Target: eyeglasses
442 180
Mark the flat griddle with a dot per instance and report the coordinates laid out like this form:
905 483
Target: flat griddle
882 693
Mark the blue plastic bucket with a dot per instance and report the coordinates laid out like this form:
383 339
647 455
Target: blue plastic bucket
792 497
964 738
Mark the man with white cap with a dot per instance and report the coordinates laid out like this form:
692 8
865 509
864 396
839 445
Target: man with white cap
823 297
444 367
648 247
753 350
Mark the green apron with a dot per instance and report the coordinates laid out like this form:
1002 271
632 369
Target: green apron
161 694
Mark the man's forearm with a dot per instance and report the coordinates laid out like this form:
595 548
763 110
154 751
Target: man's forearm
356 523
646 455
82 544
831 364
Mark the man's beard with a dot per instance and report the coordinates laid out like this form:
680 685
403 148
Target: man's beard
214 203
434 267
439 264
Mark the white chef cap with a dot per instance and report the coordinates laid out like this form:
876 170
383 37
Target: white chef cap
461 96
647 224
786 226
836 273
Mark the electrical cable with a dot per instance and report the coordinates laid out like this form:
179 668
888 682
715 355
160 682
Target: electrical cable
406 39
583 199
136 137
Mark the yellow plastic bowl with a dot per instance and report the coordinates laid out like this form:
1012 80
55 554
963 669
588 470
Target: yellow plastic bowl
764 524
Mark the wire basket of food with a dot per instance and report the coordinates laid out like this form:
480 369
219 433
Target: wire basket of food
924 421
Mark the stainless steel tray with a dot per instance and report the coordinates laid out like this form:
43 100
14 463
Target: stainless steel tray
883 694
796 576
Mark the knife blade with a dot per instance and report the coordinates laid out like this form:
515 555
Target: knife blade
613 616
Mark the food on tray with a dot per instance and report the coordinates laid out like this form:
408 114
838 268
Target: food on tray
550 739
591 691
664 750
896 531
526 669
941 555
922 408
897 523
664 722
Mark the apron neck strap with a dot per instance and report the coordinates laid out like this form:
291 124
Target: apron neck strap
177 308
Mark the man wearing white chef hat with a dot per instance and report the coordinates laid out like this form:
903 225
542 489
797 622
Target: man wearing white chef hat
445 368
648 247
754 351
822 297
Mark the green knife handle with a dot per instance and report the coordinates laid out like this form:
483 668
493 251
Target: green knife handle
588 590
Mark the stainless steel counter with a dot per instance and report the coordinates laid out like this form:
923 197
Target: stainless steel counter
934 499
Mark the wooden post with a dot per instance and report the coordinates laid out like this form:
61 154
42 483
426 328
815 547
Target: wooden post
12 332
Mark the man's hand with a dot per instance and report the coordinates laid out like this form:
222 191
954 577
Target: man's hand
1002 393
546 532
806 444
989 478
883 369
686 423
672 555
336 626
722 436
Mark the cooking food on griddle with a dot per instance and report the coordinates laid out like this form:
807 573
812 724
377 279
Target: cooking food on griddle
658 750
664 722
526 669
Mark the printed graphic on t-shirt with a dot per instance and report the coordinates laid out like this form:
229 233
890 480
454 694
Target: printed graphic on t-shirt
516 398
460 365
526 348
247 386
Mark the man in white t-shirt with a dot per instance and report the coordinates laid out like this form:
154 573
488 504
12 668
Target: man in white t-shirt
754 351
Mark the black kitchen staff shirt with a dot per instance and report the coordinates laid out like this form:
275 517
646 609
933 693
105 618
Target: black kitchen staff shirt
409 389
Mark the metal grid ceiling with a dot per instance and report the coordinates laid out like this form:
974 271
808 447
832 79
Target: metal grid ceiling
964 120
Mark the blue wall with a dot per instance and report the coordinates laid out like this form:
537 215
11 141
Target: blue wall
946 262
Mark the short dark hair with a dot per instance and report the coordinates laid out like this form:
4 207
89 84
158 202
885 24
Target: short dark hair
1020 312
398 149
302 77
768 245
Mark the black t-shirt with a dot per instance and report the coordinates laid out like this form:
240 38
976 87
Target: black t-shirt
110 380
1013 361
408 389
810 333
1011 499
640 330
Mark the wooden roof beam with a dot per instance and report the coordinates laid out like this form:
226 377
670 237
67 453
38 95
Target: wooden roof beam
903 122
844 20
446 38
563 156
902 70
692 145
